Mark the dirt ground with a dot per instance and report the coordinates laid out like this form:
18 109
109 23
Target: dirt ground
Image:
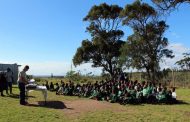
78 107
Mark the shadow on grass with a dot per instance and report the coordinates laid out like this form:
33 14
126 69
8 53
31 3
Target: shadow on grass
180 102
177 102
16 96
50 104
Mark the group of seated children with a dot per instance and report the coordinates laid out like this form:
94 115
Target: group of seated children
121 91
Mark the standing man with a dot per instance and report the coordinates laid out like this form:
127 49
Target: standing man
22 81
9 77
2 83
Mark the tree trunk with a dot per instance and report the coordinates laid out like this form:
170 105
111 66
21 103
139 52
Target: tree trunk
148 72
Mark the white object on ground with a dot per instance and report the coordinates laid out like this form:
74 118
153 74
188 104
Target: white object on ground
31 81
39 88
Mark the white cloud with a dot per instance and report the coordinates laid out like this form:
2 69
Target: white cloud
60 68
87 68
55 67
178 50
47 67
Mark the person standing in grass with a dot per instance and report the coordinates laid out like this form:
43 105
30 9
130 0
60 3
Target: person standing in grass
22 81
9 77
47 85
51 88
2 83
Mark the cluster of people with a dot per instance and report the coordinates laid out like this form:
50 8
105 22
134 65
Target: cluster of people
6 80
51 87
120 91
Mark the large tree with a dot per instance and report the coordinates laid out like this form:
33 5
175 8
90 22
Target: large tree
103 48
146 47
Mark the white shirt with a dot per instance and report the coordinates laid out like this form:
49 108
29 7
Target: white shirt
174 95
22 77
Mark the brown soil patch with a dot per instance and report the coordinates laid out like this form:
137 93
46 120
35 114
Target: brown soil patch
78 107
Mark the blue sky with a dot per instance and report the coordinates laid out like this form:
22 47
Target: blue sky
46 33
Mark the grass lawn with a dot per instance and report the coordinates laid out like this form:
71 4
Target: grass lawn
57 110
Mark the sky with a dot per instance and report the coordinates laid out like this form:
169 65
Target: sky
45 34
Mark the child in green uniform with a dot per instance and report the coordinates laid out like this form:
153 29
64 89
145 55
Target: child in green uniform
94 94
161 97
113 97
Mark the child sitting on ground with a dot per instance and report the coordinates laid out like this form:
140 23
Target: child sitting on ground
174 96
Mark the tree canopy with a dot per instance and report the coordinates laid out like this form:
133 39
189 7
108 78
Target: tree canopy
103 48
143 50
169 4
184 63
146 47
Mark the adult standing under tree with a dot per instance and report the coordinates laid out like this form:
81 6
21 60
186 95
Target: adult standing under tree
9 77
22 81
2 83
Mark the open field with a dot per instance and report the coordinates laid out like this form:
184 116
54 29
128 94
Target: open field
178 78
68 109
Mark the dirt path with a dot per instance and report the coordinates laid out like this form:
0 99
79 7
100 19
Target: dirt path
78 107
75 108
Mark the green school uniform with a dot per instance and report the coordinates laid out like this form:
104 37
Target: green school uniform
113 98
138 94
132 93
161 96
149 90
94 94
145 92
119 93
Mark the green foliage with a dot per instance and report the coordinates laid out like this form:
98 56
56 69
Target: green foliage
137 14
29 76
105 76
167 77
38 80
70 74
185 62
103 48
169 4
79 78
73 76
146 47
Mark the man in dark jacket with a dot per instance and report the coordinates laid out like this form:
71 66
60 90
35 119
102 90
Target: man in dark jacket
2 83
